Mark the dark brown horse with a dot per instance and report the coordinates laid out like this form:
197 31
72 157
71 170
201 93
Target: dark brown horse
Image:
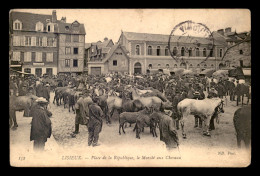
241 92
242 124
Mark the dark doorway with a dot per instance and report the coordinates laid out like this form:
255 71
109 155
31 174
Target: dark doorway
137 68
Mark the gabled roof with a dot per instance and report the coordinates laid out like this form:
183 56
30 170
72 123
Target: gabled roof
112 50
105 49
29 20
62 28
133 36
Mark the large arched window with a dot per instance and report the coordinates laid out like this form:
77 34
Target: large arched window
149 50
190 52
175 66
212 65
150 66
137 50
167 66
183 65
182 51
211 53
158 50
159 65
39 26
205 65
190 66
166 51
198 66
175 51
204 52
197 52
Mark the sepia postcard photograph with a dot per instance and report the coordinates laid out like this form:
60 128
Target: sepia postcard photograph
130 87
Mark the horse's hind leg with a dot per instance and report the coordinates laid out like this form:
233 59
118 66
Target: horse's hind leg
182 128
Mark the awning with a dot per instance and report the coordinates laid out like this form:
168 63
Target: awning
15 66
207 72
247 72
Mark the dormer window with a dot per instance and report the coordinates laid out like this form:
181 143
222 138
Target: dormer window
48 20
50 27
67 28
17 25
39 26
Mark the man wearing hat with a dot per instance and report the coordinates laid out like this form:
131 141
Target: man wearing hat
81 114
46 92
41 124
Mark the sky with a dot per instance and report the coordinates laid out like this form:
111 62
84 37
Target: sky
101 23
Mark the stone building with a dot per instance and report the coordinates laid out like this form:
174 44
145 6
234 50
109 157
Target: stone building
33 43
150 52
107 57
238 48
41 44
71 47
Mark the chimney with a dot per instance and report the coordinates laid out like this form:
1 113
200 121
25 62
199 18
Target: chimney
227 30
54 16
63 19
221 31
105 39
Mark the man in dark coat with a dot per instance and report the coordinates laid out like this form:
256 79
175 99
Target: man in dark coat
41 124
81 116
232 90
39 90
46 92
95 123
168 133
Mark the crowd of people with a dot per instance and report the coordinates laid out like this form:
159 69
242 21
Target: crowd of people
175 89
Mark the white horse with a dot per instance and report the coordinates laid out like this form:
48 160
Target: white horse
204 108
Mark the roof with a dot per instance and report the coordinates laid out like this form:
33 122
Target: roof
163 38
87 45
29 20
105 49
112 50
62 28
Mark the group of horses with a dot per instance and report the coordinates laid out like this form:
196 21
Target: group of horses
142 103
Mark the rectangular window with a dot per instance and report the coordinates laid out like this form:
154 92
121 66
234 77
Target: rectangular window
28 41
75 62
27 57
39 41
38 57
16 56
49 41
67 63
16 41
33 41
44 56
75 38
33 56
114 62
44 41
27 70
75 50
67 50
68 38
49 57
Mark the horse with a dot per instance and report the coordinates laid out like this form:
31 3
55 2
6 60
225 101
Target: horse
244 90
149 102
20 103
204 108
242 124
